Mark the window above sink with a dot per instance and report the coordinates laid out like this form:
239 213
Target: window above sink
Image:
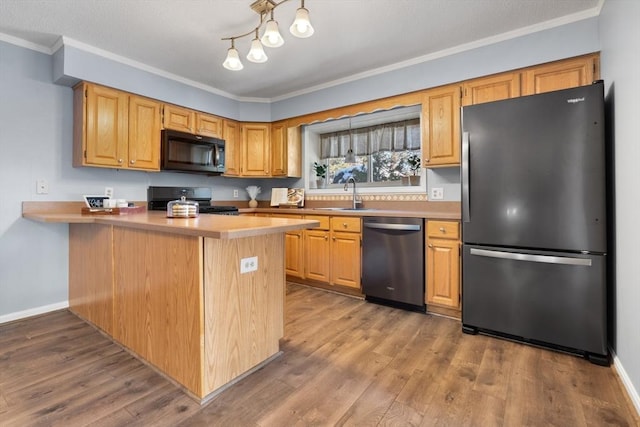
382 143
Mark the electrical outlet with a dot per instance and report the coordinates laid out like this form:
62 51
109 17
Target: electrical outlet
437 193
42 186
248 264
108 191
235 194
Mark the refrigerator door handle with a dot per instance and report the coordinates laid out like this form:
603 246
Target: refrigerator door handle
464 170
533 258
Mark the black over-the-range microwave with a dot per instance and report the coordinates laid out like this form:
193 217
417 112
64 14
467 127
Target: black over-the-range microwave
186 152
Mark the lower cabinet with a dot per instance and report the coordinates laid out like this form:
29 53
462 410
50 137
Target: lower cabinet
329 254
443 266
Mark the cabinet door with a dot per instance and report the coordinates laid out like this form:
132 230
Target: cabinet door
492 88
561 75
294 253
279 149
441 126
294 152
178 118
345 259
255 149
144 133
208 125
232 149
316 262
106 127
443 273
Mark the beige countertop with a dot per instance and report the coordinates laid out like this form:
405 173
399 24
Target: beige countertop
215 226
429 213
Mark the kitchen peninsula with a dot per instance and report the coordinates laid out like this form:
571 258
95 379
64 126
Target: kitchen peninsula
174 291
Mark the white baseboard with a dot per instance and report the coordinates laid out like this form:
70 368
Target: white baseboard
33 312
626 381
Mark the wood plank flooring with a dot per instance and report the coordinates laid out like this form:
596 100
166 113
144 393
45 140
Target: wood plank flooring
345 362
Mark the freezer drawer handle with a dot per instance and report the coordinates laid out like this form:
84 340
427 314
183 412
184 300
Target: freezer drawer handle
534 258
403 227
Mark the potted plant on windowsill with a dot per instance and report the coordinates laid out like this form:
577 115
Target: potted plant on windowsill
321 174
415 165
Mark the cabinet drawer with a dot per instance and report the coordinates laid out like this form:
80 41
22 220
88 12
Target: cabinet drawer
285 216
443 229
343 223
324 221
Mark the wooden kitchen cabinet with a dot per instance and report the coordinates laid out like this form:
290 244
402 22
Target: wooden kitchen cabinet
346 235
562 74
178 118
441 126
443 266
317 250
255 149
115 129
279 149
491 88
294 249
208 125
232 149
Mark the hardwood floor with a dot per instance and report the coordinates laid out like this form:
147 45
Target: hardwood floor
345 362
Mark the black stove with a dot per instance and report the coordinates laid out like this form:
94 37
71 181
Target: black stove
158 197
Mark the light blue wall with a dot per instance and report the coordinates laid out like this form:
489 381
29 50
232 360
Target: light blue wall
557 43
620 61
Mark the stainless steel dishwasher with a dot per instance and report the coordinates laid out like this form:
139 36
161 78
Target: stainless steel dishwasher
393 261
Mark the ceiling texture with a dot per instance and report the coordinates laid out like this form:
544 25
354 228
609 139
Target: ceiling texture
182 38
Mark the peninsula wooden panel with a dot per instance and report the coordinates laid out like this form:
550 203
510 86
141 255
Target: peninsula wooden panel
158 294
244 312
90 274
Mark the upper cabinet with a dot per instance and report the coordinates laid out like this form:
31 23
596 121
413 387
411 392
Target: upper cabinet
441 126
262 149
115 129
190 121
563 74
255 159
492 88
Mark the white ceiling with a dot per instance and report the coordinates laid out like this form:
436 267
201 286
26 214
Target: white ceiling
182 37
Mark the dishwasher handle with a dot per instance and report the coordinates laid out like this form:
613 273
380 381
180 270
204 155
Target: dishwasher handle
401 227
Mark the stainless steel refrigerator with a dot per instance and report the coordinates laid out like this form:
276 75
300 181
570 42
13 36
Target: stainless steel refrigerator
533 220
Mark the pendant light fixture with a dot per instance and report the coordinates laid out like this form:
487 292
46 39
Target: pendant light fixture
351 156
301 28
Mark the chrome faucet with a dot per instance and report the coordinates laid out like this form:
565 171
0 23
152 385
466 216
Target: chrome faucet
356 202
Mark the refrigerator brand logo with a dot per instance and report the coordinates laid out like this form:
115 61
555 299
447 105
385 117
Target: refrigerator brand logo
575 100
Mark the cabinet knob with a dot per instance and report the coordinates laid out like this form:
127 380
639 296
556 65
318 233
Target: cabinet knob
326 237
120 161
334 239
344 224
442 230
430 245
133 162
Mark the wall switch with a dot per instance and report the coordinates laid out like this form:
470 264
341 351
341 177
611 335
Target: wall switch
108 191
235 194
437 193
42 186
248 264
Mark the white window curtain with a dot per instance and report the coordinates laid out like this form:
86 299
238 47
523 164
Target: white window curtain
397 136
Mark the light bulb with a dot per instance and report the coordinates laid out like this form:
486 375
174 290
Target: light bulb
272 37
256 53
232 62
301 26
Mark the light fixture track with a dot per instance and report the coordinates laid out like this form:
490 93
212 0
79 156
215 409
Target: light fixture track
300 28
